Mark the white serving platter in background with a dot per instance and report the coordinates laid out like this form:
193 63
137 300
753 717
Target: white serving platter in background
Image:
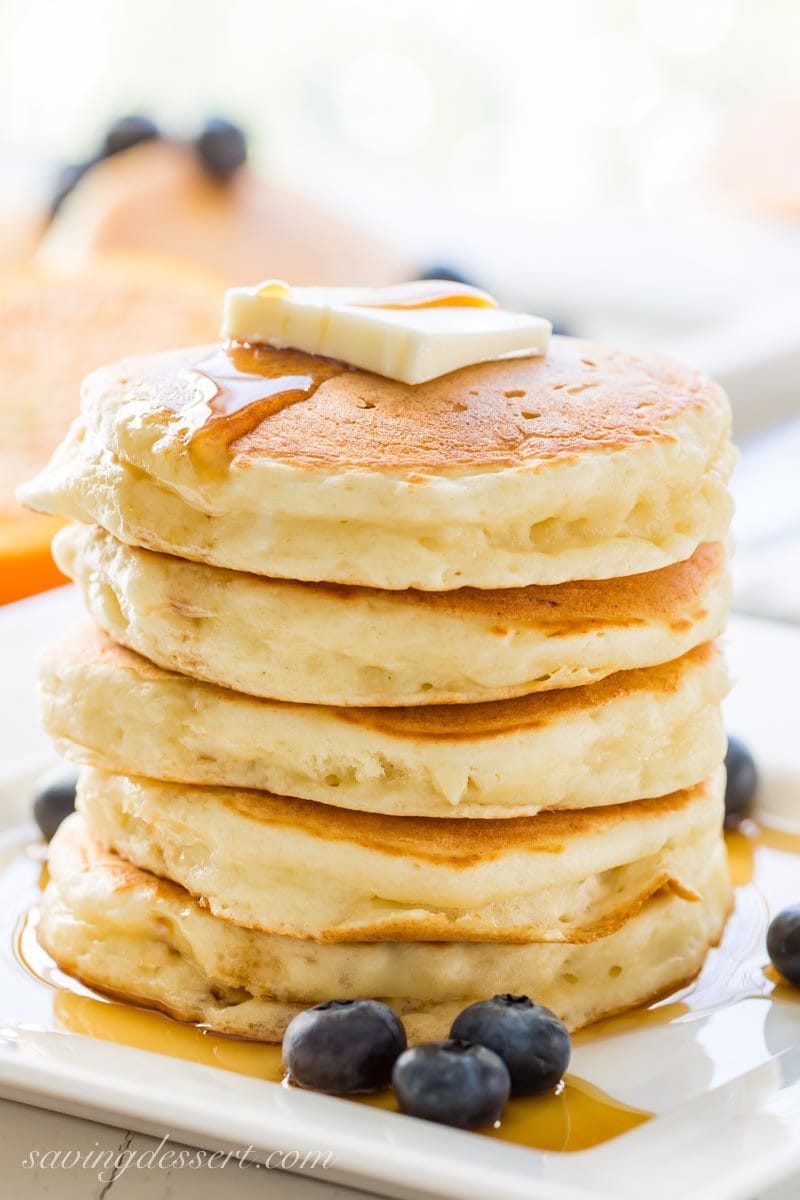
726 1132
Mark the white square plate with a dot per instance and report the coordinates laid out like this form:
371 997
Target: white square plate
724 1083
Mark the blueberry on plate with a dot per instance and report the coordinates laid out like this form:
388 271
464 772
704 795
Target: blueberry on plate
128 132
454 1083
530 1039
783 943
222 148
55 800
741 784
344 1046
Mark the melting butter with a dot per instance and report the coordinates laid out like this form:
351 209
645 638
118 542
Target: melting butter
411 332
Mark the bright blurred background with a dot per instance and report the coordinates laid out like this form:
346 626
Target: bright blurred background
630 168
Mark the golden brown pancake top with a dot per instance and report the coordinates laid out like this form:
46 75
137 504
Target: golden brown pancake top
580 397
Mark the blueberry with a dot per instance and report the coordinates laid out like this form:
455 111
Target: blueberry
783 943
454 1083
128 132
742 782
530 1039
55 800
448 273
222 148
66 180
344 1046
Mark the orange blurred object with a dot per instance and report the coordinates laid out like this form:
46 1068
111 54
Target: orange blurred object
26 565
54 329
757 164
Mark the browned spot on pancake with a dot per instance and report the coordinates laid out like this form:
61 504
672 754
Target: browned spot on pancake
578 398
683 624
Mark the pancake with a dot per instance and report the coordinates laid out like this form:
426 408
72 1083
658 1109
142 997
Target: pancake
306 870
634 735
324 644
147 941
584 464
54 327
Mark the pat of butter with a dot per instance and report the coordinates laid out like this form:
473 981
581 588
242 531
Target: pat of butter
412 332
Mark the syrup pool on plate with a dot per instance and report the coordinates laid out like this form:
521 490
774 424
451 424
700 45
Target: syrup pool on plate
736 985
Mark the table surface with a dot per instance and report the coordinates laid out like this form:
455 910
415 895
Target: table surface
27 1134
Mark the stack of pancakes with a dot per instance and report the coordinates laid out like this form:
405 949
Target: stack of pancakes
391 691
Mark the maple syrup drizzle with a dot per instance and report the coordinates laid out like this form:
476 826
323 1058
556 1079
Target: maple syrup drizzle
575 1117
741 970
237 387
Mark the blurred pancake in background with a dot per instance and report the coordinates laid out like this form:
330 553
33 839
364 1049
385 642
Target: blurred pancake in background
160 197
55 328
